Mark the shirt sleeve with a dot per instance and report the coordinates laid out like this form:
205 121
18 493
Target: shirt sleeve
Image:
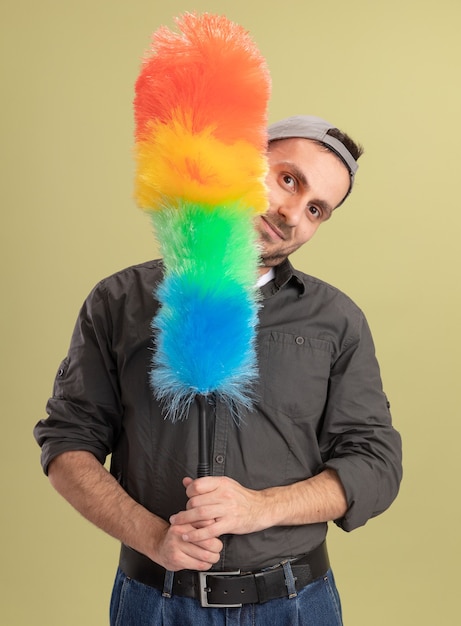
85 410
358 439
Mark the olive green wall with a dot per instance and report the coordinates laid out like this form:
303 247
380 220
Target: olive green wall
388 73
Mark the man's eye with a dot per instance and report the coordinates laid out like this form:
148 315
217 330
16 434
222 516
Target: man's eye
314 210
288 180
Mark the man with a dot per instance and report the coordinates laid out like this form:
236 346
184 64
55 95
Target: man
318 445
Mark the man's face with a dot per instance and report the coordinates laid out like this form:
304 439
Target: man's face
305 182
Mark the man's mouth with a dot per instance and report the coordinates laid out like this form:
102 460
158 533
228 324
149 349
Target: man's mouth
273 231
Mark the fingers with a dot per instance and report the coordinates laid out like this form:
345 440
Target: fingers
179 553
220 505
199 486
208 547
203 524
187 481
201 535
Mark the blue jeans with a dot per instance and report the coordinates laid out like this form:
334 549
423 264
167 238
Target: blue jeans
135 604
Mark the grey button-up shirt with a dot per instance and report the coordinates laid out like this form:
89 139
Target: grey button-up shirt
320 404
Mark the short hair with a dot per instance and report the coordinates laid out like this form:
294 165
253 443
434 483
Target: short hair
354 148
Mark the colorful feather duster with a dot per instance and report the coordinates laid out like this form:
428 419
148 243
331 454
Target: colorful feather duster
200 112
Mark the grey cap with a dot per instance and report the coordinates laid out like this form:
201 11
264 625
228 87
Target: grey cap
311 127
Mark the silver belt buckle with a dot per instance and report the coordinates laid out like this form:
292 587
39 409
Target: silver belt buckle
204 589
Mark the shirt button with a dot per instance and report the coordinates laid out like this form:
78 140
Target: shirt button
299 341
219 459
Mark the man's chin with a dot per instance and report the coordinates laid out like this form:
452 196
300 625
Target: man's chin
272 260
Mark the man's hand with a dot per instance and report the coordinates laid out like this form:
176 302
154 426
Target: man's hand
219 506
175 551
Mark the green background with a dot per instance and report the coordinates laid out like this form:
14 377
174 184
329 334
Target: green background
388 73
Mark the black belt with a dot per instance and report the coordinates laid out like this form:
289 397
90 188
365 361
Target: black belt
228 588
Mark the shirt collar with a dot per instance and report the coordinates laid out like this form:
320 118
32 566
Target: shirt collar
265 278
284 273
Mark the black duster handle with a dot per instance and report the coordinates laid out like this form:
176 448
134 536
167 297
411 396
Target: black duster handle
203 468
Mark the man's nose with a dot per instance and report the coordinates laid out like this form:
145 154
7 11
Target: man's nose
292 211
